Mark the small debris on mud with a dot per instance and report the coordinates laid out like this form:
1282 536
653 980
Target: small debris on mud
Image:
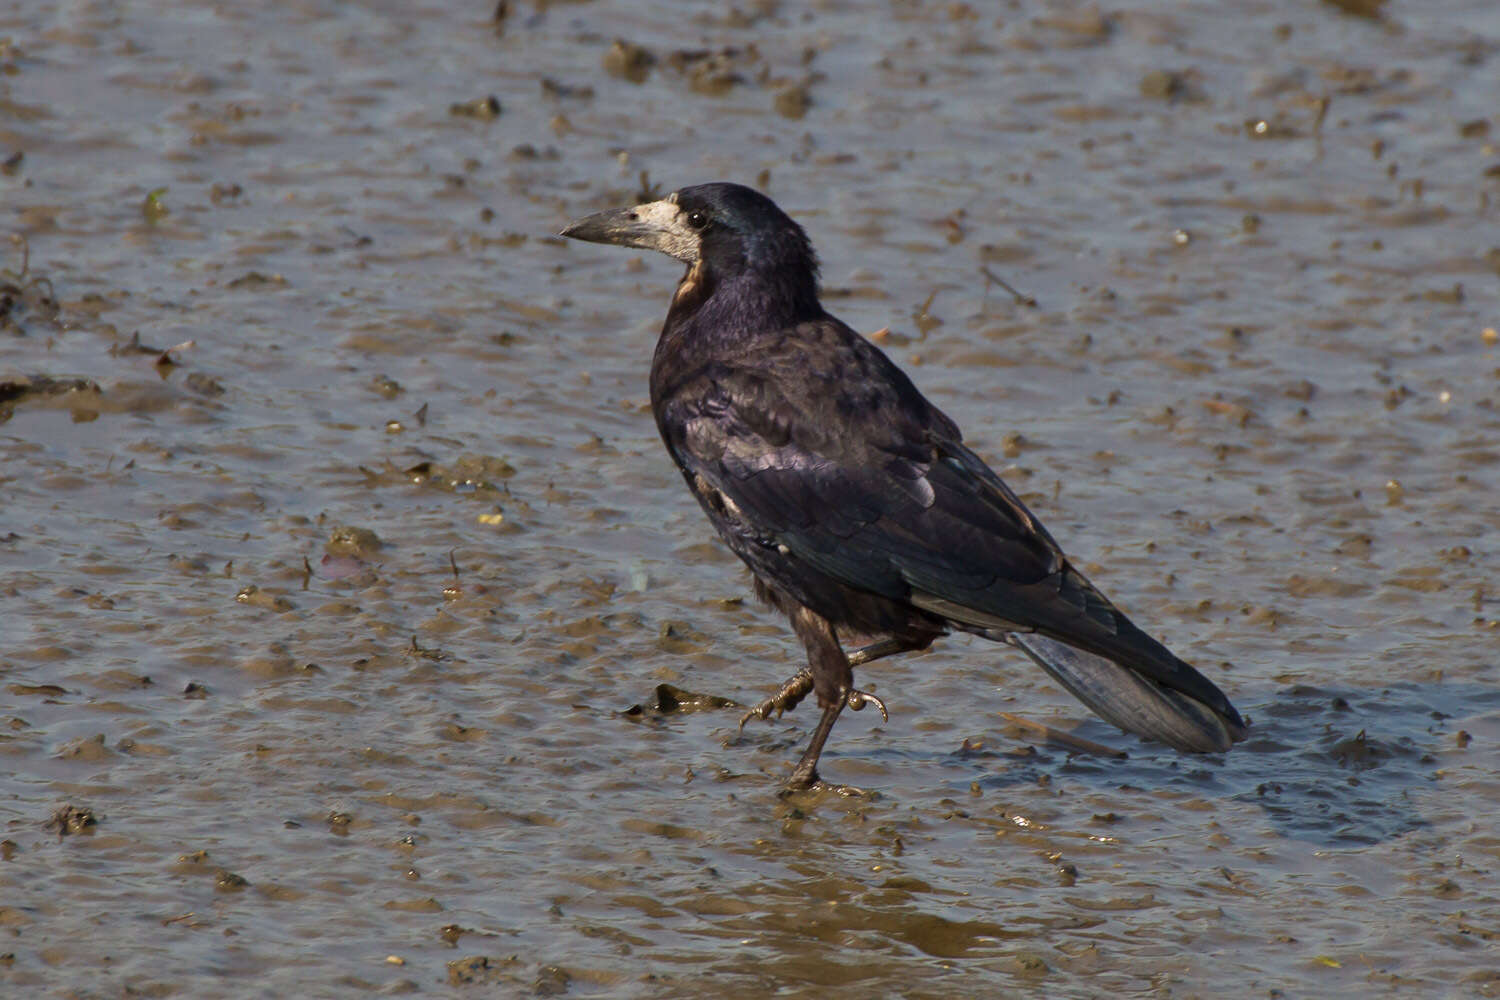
481 107
71 819
228 881
481 969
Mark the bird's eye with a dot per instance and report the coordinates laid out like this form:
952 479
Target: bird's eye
697 220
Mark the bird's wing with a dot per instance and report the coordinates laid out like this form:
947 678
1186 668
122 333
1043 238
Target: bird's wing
872 498
840 461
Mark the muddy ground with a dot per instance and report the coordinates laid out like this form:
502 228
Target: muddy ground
337 544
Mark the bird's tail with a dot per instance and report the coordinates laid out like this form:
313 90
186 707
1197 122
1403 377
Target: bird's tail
1130 700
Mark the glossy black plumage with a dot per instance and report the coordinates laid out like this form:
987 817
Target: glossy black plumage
851 497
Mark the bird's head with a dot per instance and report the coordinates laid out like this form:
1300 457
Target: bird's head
721 231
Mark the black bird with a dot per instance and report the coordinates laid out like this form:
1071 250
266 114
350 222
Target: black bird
853 499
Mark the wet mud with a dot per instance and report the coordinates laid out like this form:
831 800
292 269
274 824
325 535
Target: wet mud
357 636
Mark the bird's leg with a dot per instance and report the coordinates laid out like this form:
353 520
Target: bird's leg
885 647
805 775
790 695
832 681
800 686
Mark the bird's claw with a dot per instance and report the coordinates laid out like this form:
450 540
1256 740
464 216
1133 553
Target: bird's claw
784 700
761 711
859 699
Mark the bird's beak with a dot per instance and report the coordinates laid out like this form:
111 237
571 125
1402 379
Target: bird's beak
656 225
621 226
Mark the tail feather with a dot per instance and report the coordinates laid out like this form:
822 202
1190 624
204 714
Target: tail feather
1130 700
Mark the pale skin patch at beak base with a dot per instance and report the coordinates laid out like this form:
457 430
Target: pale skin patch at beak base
672 236
656 225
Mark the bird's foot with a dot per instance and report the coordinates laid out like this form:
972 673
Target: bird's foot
784 700
859 699
809 781
828 788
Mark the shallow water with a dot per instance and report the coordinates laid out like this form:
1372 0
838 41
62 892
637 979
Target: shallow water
333 625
